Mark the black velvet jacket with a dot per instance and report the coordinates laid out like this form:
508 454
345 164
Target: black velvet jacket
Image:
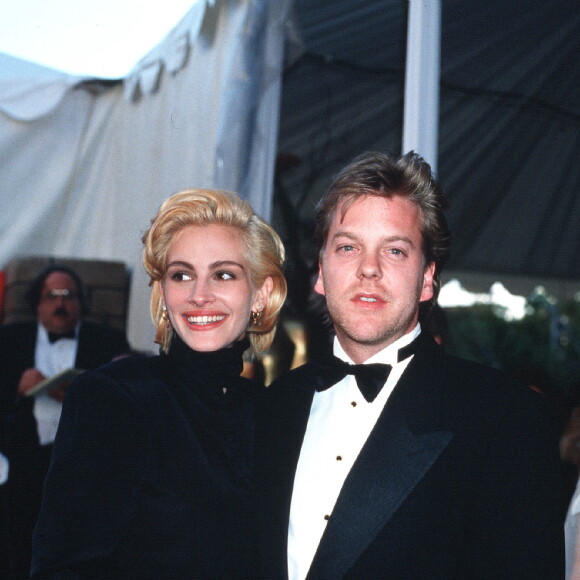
150 472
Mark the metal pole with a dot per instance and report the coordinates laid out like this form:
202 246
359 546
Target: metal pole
422 71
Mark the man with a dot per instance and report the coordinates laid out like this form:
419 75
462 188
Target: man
29 353
447 472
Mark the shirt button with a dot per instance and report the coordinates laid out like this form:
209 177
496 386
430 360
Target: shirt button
353 403
339 457
326 517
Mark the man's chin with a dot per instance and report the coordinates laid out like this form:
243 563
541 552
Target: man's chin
61 326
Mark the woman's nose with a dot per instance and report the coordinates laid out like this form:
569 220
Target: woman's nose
201 292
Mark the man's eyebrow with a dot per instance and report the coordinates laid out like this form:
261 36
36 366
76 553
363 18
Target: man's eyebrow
387 239
342 234
404 239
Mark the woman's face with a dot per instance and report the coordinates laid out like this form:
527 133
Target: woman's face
206 288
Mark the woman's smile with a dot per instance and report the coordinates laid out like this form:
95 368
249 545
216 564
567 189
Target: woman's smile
207 288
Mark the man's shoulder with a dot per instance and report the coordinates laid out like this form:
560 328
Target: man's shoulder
105 336
100 329
464 368
295 377
476 376
16 330
482 391
26 326
291 387
452 370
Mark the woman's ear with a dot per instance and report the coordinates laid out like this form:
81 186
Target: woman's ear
263 293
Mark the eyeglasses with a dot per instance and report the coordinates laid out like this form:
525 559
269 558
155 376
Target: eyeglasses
56 293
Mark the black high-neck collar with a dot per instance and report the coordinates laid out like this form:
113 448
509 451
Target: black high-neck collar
218 368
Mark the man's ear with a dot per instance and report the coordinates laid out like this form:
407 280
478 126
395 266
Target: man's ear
319 284
428 275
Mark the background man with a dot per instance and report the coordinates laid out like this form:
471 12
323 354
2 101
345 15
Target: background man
29 353
440 469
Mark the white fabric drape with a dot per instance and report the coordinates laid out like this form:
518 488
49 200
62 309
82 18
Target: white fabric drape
83 176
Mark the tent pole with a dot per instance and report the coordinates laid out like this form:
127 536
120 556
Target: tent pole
422 71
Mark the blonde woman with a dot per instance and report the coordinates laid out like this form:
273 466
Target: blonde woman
151 466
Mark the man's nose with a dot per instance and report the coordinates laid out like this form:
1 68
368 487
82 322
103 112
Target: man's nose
60 301
370 266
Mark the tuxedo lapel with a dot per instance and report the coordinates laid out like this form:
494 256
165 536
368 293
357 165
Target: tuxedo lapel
86 349
21 345
404 444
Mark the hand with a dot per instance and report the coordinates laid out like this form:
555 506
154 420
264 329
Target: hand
59 392
29 379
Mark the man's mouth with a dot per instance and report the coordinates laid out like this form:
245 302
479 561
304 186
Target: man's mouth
368 298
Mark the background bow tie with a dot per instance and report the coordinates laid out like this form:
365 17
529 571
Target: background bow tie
53 336
370 378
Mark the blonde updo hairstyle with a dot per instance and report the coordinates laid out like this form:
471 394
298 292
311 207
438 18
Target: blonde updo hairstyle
263 249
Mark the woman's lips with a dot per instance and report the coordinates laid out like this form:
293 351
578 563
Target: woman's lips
204 321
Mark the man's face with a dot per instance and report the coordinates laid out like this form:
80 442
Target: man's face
373 275
59 308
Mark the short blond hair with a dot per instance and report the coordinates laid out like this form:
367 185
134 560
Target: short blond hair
263 249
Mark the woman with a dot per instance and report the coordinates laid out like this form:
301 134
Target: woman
150 470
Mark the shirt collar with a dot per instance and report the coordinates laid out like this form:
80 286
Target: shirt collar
42 333
386 356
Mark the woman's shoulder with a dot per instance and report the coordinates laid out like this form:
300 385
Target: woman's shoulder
136 374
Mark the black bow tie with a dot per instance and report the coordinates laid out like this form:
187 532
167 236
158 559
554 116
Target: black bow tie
53 336
370 378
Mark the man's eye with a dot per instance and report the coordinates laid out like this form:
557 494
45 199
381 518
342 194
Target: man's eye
346 248
396 252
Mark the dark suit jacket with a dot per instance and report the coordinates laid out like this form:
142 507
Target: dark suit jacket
97 345
459 480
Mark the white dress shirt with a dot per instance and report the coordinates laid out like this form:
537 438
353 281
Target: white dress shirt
572 537
340 422
50 359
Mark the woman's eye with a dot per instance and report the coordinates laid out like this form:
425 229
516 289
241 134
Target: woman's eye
180 276
225 276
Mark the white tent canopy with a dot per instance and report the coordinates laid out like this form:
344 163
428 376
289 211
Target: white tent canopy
85 164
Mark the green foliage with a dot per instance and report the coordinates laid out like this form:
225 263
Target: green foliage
546 341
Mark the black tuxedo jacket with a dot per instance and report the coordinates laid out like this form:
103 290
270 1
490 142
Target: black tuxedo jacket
459 479
97 345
